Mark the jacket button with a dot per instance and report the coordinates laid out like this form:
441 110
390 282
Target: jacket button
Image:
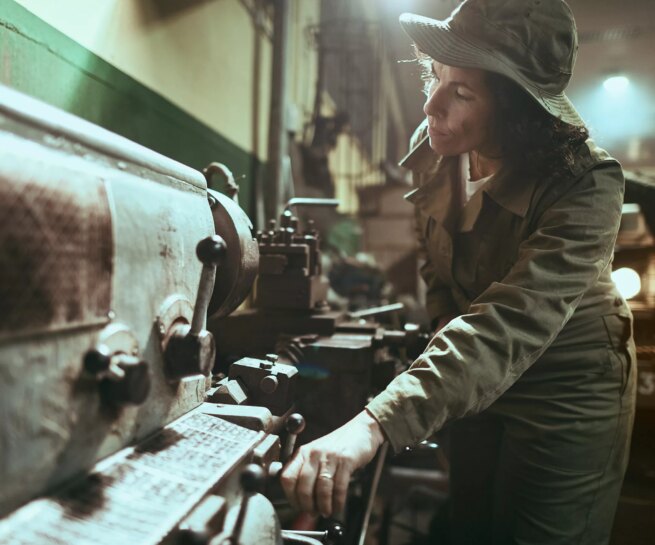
618 301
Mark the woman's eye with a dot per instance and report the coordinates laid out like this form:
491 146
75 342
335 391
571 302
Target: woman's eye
462 96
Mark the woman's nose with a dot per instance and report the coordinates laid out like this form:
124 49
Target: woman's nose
434 104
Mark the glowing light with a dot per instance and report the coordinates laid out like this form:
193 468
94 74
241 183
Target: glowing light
615 118
616 85
627 282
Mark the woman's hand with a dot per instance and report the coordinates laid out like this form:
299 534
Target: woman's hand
317 476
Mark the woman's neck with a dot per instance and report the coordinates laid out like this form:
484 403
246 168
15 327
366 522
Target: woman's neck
481 166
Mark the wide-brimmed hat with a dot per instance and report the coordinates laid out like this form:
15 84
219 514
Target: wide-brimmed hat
532 42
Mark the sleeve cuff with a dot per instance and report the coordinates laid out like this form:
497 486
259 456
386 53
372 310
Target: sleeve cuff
385 409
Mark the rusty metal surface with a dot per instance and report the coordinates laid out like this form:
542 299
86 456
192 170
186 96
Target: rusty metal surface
55 250
55 423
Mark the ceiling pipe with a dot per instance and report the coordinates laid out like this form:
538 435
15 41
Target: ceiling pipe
278 144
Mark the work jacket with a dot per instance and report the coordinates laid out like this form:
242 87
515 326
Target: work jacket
522 265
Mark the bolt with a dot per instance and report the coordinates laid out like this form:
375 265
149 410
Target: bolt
268 384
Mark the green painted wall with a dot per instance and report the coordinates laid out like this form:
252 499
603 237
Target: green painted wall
42 62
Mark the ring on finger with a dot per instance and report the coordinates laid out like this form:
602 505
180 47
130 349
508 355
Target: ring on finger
325 475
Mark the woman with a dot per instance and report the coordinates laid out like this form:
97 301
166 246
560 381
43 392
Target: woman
533 361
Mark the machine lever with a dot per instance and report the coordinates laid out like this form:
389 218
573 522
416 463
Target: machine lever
211 252
123 379
377 311
294 424
332 536
309 201
190 348
252 482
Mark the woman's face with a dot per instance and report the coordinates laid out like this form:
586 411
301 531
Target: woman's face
460 111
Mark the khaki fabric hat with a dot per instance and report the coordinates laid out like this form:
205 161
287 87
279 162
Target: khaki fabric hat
532 42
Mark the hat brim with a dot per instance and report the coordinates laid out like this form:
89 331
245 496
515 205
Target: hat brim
437 39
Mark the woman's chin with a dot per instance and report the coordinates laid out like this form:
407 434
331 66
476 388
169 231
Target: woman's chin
441 148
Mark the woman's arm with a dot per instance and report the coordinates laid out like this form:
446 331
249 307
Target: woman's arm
477 356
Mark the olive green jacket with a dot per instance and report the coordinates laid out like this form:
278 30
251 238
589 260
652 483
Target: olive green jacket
523 261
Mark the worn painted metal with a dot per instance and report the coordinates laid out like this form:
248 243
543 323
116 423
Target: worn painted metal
151 212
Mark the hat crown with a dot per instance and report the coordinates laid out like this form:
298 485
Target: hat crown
538 38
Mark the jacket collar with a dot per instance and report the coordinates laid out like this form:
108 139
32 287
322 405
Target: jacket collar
512 192
438 191
433 197
420 158
509 190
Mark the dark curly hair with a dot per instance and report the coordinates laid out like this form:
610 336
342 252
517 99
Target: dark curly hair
529 138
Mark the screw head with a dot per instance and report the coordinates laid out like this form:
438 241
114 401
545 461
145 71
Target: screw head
268 384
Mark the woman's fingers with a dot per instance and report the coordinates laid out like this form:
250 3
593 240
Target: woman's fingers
325 486
307 480
340 489
289 478
318 474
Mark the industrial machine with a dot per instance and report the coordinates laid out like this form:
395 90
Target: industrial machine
109 262
126 418
341 358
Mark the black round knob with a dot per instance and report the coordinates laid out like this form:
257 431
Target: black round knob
97 359
335 533
285 218
187 536
211 250
252 479
135 386
295 423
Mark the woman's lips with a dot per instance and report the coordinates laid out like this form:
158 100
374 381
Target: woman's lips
434 132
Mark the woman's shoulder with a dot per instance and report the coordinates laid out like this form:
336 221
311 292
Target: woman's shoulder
590 156
590 162
595 175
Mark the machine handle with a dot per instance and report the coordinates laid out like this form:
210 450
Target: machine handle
308 201
231 187
332 536
211 252
377 311
252 482
190 348
123 379
295 425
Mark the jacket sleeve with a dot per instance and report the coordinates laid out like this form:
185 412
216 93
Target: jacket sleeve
479 355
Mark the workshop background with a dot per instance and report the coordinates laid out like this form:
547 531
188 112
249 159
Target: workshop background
314 98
